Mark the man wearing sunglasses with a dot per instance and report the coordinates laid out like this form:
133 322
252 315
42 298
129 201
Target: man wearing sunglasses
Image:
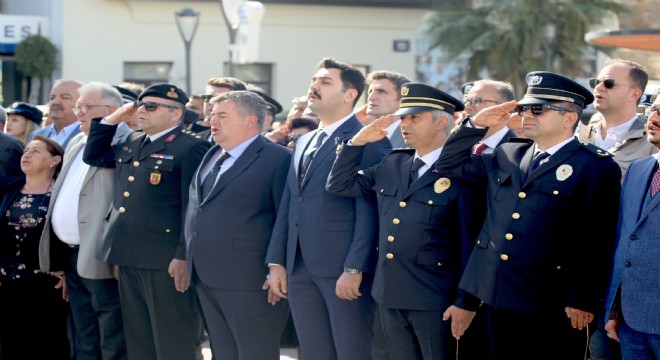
535 264
144 229
617 90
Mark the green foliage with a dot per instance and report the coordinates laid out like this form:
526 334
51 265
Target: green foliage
35 56
505 37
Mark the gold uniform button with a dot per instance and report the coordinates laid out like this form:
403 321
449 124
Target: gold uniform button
439 264
430 202
167 230
558 267
159 162
131 178
555 192
504 257
136 163
156 167
127 194
478 242
389 256
522 195
508 236
119 160
402 204
382 190
515 216
122 210
390 238
396 221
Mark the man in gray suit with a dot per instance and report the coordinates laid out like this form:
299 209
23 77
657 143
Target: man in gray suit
323 250
384 98
79 203
237 189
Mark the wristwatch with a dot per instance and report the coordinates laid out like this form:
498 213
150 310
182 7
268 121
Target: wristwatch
350 271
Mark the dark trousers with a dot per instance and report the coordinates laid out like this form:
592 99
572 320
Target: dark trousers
602 347
160 323
549 336
415 334
241 323
327 326
33 319
96 313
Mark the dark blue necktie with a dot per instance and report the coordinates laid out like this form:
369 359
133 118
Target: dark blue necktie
414 170
209 181
309 154
537 161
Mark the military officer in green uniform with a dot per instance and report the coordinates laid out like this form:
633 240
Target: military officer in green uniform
144 234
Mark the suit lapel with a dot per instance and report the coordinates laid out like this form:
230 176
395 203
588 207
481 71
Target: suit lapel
553 160
197 180
642 184
248 156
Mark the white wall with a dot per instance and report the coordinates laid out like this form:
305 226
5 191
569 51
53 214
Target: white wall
99 35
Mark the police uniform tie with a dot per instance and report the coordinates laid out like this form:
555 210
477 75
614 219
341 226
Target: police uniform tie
309 154
480 148
537 161
414 170
655 182
209 181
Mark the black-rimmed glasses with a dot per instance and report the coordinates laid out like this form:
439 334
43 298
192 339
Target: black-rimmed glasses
207 97
538 109
84 108
476 101
608 83
152 105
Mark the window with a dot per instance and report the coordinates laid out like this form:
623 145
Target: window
147 73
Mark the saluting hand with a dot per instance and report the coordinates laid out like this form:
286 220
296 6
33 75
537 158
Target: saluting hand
179 271
493 116
123 114
374 131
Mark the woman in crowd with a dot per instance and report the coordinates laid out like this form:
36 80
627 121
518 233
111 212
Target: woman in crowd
32 303
22 120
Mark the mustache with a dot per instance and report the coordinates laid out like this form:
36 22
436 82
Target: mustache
56 107
315 94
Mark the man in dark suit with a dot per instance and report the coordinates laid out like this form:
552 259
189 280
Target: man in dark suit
144 233
323 246
535 263
239 196
11 150
428 223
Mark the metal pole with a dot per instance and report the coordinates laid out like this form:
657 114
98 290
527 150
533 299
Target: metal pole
232 41
188 73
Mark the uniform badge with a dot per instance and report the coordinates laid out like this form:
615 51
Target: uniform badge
564 172
404 90
154 178
535 80
441 185
125 148
338 149
172 93
170 138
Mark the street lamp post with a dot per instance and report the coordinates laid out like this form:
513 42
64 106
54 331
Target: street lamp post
547 43
187 21
229 9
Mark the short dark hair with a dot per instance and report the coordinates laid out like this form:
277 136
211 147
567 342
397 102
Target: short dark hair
638 74
397 79
54 148
351 77
227 82
503 89
303 122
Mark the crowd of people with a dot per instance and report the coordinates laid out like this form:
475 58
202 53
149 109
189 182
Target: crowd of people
141 221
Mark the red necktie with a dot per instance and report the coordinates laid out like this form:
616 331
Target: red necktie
655 183
480 148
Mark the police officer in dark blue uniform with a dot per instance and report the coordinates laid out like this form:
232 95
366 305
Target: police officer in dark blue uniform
428 223
541 260
144 234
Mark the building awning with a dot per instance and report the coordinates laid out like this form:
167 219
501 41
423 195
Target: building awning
639 39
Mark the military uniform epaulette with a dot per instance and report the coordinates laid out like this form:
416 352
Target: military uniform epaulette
191 133
596 150
520 140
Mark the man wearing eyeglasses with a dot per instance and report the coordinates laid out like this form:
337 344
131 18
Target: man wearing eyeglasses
144 227
535 263
73 233
484 94
620 131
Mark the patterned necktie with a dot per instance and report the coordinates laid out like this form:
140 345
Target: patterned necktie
209 180
309 154
414 170
655 182
480 149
